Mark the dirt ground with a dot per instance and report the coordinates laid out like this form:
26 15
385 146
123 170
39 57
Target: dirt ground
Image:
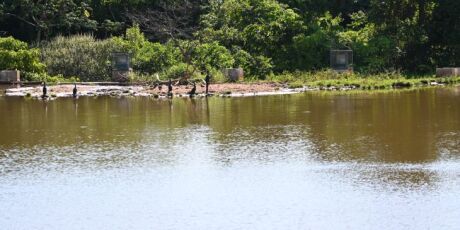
224 88
87 90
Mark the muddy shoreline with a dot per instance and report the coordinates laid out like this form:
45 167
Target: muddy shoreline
222 89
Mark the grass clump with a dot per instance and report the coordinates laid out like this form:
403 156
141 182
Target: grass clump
295 85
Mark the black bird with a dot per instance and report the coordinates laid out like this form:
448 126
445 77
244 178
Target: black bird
74 92
45 90
207 80
170 88
193 91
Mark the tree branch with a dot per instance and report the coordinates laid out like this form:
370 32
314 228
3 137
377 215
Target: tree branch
168 21
22 19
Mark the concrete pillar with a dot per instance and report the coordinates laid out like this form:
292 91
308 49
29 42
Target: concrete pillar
447 72
10 76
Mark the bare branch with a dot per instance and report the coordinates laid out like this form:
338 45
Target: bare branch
168 21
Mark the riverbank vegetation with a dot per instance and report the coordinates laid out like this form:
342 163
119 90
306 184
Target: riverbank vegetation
332 80
272 40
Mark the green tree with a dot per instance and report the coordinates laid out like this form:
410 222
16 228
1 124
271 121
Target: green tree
147 57
16 55
444 33
310 50
263 28
405 23
212 56
48 17
373 52
257 26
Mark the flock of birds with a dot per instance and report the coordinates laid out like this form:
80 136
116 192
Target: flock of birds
45 91
191 93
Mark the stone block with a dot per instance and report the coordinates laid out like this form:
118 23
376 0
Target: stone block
10 76
341 60
234 74
447 72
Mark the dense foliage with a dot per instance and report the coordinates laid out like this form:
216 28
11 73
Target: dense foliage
79 56
16 55
261 36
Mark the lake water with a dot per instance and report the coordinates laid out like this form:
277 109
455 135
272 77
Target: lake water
309 161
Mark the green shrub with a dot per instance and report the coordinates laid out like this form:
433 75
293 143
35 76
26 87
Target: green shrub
9 43
261 67
308 52
155 57
34 76
295 85
43 77
80 55
139 77
16 55
208 56
177 71
218 76
147 57
258 67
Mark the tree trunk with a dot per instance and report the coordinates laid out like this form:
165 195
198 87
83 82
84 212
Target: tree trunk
39 36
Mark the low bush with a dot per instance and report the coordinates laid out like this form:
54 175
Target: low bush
43 77
82 56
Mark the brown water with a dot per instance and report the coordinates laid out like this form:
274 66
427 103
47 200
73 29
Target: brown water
308 161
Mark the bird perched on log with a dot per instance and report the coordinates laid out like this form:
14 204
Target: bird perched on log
193 91
74 91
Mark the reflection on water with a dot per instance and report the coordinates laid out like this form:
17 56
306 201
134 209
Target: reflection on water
316 160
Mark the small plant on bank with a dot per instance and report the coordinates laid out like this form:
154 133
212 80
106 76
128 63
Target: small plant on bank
295 85
43 77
